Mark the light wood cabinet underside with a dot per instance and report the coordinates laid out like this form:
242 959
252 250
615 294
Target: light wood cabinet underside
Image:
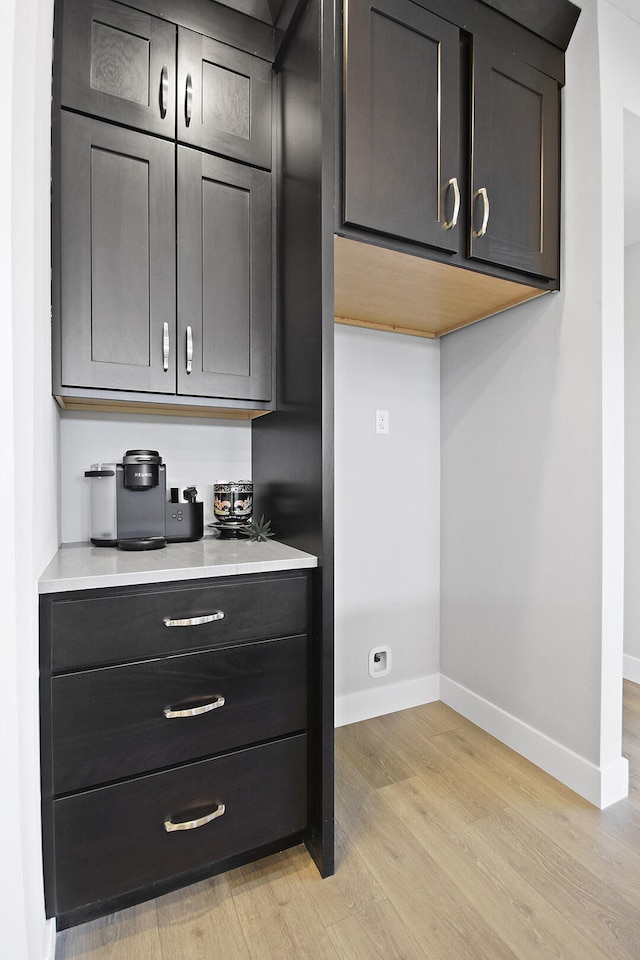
388 290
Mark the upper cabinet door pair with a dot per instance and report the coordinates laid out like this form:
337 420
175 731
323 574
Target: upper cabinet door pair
164 251
405 174
121 64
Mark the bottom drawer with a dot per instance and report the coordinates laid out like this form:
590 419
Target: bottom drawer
113 840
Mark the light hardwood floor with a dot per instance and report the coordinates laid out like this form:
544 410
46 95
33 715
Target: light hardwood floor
450 847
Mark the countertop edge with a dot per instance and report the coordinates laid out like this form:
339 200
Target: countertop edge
83 567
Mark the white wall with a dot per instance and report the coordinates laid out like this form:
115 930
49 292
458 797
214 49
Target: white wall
632 464
29 486
531 507
619 39
387 505
195 451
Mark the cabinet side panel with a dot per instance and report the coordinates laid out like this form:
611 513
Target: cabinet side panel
293 453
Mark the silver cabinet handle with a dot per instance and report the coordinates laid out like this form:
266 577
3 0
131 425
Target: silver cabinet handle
449 224
189 349
171 827
164 92
194 711
194 621
165 347
482 192
188 100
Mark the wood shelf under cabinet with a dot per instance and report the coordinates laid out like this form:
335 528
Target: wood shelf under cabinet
387 290
100 405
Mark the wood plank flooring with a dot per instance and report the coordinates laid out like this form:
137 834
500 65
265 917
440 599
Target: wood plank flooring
450 847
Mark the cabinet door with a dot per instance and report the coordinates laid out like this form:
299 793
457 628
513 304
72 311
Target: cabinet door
118 63
117 257
401 124
224 99
224 278
515 163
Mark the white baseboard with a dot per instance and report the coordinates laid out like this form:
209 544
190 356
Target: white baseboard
49 947
386 698
601 786
631 668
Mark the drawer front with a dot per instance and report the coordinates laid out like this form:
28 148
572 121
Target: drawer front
113 840
121 625
110 723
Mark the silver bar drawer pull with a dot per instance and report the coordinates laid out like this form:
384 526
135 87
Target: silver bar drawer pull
171 827
172 714
193 621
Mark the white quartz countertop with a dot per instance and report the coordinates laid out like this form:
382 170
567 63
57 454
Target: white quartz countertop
81 566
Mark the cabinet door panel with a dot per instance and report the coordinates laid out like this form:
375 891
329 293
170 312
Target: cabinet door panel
515 158
117 256
224 99
401 121
224 277
119 64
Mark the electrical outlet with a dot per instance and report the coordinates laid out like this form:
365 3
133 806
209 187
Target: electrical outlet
382 421
379 662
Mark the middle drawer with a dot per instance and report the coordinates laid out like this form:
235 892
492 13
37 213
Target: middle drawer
114 722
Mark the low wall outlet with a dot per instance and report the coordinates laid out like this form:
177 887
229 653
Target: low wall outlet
379 662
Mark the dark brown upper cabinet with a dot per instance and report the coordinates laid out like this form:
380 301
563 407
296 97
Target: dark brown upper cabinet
224 278
401 122
451 138
116 255
118 266
224 99
162 243
119 64
514 163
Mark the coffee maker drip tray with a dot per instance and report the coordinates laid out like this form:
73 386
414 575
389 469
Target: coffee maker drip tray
141 543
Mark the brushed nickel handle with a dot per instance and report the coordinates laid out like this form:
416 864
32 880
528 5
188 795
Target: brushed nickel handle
165 346
164 92
171 827
188 100
171 714
482 192
193 621
189 349
449 224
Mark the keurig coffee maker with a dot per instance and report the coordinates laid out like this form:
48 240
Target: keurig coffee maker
129 507
128 502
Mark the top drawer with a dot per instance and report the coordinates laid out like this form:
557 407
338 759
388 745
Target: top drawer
93 628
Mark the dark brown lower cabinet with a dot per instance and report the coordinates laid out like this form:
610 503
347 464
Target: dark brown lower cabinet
192 752
118 839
